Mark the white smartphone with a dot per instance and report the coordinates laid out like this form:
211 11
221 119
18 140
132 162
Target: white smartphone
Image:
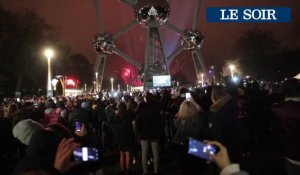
188 96
86 154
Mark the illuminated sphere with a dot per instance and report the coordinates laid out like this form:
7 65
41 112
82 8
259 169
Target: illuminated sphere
156 11
192 39
103 43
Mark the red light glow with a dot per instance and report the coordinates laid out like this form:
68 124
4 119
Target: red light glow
70 82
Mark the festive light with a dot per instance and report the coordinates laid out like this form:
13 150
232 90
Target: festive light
70 82
103 43
192 39
152 11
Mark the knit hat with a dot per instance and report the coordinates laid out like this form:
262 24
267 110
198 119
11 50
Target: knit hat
24 129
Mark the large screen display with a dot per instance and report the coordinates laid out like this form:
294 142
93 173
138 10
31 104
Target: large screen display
162 81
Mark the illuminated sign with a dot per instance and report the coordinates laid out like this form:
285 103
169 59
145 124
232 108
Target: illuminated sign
249 14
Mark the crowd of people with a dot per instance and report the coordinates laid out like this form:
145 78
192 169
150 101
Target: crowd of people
255 128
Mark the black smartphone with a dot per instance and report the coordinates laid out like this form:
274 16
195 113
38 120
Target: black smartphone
85 154
200 149
77 126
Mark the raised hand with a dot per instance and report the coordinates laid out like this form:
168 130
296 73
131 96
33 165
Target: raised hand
64 152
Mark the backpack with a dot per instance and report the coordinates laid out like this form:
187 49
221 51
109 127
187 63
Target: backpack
52 117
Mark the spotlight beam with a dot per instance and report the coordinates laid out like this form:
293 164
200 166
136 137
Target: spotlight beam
171 57
197 14
198 63
100 67
163 52
124 29
173 28
130 3
99 17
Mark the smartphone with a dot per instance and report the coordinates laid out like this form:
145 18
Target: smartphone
77 126
188 96
200 149
85 154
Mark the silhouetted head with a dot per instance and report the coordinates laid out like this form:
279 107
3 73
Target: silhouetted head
291 88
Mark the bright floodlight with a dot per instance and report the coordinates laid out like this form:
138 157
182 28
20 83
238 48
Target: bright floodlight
235 79
49 53
231 67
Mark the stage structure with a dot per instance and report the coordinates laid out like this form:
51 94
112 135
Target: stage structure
151 14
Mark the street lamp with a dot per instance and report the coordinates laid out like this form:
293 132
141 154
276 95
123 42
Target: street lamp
96 77
232 68
49 54
202 80
119 88
112 84
127 86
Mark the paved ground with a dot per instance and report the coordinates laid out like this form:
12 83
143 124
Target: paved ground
265 161
111 166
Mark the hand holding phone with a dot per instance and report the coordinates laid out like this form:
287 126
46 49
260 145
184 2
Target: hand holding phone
202 150
221 158
63 156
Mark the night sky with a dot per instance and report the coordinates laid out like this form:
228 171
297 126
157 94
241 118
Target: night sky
75 23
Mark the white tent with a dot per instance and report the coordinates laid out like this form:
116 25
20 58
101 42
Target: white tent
297 76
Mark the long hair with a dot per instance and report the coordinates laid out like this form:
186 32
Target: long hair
188 110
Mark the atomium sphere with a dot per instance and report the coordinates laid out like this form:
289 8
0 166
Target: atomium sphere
103 43
192 39
156 11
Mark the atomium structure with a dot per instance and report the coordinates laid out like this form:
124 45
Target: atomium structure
103 43
192 40
151 14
